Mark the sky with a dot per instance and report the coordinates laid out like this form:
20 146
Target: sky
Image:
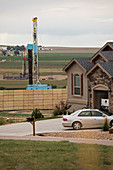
71 23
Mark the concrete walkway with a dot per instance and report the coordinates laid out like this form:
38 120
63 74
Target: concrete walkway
73 140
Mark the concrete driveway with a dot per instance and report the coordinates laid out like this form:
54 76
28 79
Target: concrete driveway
21 129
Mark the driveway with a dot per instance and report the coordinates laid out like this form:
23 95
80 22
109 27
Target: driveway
21 129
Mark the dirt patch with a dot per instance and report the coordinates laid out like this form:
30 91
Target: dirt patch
93 134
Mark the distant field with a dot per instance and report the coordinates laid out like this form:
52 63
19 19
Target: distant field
59 53
13 83
52 56
50 63
23 83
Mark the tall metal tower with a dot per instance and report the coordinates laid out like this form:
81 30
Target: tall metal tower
35 52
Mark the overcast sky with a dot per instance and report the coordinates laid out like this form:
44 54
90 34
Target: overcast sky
79 23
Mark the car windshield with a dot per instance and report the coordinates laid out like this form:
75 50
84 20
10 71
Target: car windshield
75 113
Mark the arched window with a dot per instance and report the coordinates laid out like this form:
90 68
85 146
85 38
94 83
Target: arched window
77 84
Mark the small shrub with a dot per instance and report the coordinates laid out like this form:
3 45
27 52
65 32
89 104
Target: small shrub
61 108
54 86
2 121
105 126
55 113
37 114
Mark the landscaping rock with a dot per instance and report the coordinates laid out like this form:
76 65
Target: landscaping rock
111 130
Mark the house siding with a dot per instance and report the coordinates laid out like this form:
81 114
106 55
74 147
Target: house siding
77 102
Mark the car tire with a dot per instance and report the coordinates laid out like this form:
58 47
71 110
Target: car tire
111 123
77 125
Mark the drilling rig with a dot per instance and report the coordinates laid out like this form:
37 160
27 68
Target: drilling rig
35 52
34 82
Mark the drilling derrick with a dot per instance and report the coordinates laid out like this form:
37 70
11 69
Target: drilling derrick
35 52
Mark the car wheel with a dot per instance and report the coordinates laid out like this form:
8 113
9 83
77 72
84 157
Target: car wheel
111 123
77 125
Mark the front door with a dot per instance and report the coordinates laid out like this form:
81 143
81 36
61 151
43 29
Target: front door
98 95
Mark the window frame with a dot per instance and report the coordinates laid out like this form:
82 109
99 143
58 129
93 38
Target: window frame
76 86
97 115
85 115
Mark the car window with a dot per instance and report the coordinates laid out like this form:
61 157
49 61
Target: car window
96 113
74 113
85 113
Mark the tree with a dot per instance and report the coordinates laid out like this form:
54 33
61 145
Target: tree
4 53
16 52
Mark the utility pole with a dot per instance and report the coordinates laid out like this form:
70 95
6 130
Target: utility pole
35 52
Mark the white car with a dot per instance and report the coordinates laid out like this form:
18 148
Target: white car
86 118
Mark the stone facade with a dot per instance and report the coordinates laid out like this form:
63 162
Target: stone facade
100 78
98 59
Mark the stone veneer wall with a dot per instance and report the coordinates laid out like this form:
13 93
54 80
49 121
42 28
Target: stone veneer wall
98 59
99 77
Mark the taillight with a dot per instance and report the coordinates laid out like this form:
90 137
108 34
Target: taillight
64 119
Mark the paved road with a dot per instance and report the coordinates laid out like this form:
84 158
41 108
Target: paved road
21 129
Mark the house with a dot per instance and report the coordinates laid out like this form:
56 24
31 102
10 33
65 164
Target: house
90 80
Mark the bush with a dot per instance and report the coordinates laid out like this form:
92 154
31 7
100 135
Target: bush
54 86
105 126
61 108
2 121
55 113
37 114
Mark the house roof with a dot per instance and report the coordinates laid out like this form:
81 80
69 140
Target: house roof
82 62
107 67
85 62
110 44
107 54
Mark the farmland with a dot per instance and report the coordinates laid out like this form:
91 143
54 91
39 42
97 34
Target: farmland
50 63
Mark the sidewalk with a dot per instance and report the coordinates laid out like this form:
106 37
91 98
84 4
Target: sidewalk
73 140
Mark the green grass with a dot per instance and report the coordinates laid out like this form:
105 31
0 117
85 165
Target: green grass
7 114
22 84
13 83
15 154
58 83
62 56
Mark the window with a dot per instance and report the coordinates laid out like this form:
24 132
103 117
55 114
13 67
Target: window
85 113
95 113
77 84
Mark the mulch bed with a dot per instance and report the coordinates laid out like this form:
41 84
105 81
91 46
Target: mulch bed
90 134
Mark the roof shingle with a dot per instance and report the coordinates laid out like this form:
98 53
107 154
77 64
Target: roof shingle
108 66
107 54
85 62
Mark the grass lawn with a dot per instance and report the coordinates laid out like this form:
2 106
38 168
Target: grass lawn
15 154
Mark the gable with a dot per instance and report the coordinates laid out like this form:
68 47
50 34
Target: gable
71 63
104 67
107 47
99 58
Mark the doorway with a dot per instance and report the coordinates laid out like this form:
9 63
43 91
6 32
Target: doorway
98 95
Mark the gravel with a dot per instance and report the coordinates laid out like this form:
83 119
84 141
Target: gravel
86 134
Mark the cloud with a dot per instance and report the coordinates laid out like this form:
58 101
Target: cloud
58 19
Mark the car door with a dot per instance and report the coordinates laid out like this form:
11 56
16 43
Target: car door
85 118
97 119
